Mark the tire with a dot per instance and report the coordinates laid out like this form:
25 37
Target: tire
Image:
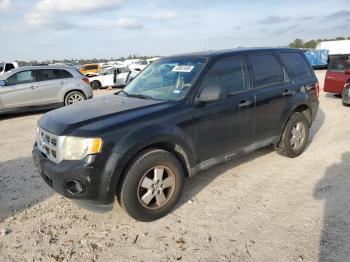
74 97
95 85
292 133
139 193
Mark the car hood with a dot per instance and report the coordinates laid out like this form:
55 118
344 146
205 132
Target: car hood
85 118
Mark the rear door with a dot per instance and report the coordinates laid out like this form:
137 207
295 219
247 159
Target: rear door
50 83
227 124
20 91
335 76
272 89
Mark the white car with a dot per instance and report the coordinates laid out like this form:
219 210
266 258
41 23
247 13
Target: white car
4 67
111 76
138 65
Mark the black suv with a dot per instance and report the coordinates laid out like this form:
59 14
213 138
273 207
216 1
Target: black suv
181 115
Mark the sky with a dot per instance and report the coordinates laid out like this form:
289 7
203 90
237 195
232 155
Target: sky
65 29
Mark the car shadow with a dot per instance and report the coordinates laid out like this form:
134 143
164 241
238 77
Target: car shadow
197 183
333 189
20 186
316 125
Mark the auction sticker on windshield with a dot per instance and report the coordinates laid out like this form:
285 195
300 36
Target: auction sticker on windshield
183 69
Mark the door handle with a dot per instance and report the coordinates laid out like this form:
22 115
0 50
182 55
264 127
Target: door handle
244 103
330 77
32 87
288 93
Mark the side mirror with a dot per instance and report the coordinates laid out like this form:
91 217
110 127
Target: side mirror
209 94
347 71
2 83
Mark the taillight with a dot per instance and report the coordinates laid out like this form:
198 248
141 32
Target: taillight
317 89
86 80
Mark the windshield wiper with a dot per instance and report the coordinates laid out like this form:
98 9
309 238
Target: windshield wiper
139 96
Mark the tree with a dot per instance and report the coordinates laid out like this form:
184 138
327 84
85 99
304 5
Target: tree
340 38
297 43
310 44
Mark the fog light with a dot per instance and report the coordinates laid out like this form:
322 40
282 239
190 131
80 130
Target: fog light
74 187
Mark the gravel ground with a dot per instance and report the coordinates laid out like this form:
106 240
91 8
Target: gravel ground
262 207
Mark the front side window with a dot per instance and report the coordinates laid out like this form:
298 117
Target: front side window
166 79
266 69
21 78
228 74
339 65
49 74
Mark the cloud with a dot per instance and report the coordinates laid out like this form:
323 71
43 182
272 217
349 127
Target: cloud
4 4
69 6
128 23
339 14
274 19
57 14
163 14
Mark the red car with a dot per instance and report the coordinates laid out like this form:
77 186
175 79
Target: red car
337 75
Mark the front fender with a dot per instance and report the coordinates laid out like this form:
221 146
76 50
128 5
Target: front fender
144 137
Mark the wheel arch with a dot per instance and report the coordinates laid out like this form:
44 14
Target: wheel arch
72 90
303 108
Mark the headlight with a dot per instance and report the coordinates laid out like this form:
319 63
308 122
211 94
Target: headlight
76 148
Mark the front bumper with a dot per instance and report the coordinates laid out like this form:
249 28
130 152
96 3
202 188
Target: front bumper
96 176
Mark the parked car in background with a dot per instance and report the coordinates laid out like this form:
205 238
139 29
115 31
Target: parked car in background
138 65
111 76
26 88
346 94
4 66
90 68
338 74
181 115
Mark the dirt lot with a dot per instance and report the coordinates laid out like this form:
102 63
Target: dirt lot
262 207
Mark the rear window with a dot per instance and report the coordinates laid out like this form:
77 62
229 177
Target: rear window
267 70
296 65
90 67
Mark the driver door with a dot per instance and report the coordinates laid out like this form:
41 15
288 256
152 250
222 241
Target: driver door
108 77
20 90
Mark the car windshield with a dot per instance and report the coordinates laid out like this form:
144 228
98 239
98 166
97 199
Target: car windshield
5 75
167 79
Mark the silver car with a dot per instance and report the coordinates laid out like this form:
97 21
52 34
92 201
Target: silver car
41 86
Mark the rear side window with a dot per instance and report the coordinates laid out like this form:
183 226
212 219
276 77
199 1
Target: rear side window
296 65
267 70
49 74
229 74
65 74
339 65
21 78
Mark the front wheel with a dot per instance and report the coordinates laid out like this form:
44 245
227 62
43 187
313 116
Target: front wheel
74 97
96 85
152 185
295 136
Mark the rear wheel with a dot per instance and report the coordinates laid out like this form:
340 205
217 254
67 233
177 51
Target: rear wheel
152 185
74 97
96 85
295 136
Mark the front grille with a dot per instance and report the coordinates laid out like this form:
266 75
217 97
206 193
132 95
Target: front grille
48 143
